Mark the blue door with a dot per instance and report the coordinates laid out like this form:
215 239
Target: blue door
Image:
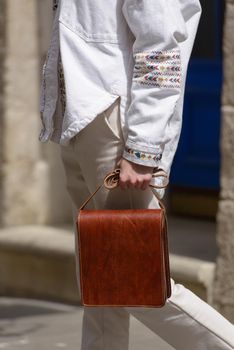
197 162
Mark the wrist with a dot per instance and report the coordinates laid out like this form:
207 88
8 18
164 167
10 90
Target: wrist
135 167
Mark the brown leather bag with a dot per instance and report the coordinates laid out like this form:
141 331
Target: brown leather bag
123 254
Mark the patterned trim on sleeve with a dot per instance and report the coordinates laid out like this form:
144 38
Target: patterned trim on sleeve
142 157
158 68
61 85
55 5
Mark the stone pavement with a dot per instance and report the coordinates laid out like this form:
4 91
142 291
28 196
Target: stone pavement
38 325
32 324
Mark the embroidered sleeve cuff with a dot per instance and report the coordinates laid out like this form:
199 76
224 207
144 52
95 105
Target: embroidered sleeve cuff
142 155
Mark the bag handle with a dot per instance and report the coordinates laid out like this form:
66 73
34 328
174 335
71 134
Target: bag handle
111 181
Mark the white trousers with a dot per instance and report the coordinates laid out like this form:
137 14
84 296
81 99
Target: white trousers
185 322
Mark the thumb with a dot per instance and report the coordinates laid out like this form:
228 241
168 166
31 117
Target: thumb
118 163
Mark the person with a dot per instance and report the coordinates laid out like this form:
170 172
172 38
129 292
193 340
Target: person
112 96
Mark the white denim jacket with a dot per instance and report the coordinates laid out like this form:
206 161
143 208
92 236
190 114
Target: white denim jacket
136 49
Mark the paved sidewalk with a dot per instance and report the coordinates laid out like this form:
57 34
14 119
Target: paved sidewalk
38 325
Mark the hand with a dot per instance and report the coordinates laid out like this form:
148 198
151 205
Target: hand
134 175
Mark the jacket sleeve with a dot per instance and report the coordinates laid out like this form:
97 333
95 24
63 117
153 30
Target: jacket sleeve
158 27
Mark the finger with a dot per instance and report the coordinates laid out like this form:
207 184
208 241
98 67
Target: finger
138 184
145 185
133 183
124 184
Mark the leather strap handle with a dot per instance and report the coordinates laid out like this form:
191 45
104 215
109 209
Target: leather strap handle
111 181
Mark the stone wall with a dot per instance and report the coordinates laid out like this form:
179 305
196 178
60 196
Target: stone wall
32 178
2 63
224 280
